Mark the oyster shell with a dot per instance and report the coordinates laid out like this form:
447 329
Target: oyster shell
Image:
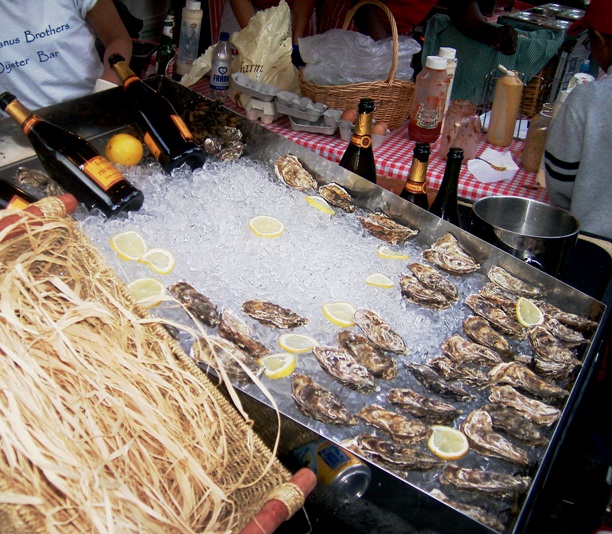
224 357
401 429
447 254
511 283
290 171
498 296
462 351
480 331
427 408
342 366
313 400
489 482
231 151
496 316
434 383
378 331
272 315
511 422
478 428
450 370
552 358
393 454
337 196
536 411
517 375
416 292
234 329
568 336
198 305
474 512
432 279
577 322
368 354
382 227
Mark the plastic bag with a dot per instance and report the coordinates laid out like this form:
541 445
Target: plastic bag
337 57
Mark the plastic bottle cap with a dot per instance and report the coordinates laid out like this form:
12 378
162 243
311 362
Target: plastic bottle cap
224 36
436 63
447 52
193 5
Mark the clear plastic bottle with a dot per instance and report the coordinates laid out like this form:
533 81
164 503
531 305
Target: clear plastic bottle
189 42
221 68
505 108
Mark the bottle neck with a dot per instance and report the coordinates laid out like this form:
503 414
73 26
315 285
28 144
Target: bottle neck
363 131
125 74
418 171
450 181
21 115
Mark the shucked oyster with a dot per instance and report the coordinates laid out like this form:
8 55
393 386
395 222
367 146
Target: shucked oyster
224 357
315 401
391 453
416 292
484 481
517 375
450 370
382 227
496 316
434 383
511 422
577 322
234 329
479 330
378 331
342 366
401 429
427 408
534 410
505 280
474 512
198 305
432 279
552 358
447 254
368 354
462 351
478 428
337 196
272 315
289 169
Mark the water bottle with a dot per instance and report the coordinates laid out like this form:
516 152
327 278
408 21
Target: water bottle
220 70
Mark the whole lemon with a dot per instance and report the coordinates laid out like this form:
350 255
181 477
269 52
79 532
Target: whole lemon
124 149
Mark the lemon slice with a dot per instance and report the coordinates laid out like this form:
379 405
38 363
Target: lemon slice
340 313
278 365
159 259
320 203
527 313
148 292
296 343
447 442
379 280
266 226
385 252
128 245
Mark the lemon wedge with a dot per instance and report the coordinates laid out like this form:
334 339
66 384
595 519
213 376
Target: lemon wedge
148 292
320 203
385 252
447 442
159 259
278 365
296 343
527 313
266 226
379 280
128 245
340 313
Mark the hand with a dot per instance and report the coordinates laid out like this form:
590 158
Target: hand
504 40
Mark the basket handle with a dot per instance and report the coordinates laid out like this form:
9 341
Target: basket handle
351 14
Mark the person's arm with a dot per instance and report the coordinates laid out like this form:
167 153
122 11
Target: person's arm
302 11
108 26
243 11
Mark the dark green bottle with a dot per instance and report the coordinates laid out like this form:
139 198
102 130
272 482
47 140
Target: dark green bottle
445 204
13 197
415 190
166 51
359 156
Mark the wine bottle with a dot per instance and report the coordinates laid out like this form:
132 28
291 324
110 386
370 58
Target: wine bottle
13 197
359 156
415 190
445 204
74 163
164 132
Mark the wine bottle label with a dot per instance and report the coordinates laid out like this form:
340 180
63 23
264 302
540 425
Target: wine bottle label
152 145
17 203
29 123
102 171
416 188
363 141
180 124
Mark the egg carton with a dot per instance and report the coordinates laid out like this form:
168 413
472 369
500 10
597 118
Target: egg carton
257 109
241 82
318 127
299 107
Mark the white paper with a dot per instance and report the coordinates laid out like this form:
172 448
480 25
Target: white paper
484 173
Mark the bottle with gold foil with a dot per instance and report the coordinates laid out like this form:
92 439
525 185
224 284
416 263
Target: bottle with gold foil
74 163
415 190
13 197
164 132
359 155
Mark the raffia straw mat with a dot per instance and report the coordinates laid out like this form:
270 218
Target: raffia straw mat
106 424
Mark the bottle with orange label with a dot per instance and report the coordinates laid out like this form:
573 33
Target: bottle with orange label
13 197
74 163
164 132
359 156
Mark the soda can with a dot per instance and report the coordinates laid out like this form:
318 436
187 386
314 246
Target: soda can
339 471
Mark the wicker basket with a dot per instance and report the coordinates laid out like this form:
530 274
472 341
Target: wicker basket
537 90
393 97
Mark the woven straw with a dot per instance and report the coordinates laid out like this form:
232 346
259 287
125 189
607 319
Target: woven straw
393 97
537 90
48 253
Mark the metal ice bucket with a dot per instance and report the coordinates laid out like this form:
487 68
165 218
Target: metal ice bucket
540 234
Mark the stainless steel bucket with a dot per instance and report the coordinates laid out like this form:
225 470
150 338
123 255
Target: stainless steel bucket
540 234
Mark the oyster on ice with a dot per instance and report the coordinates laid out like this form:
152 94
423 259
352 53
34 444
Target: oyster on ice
450 370
198 305
499 297
386 229
478 428
337 196
474 512
490 482
378 331
462 351
290 170
568 336
536 411
426 408
480 331
401 429
552 358
234 329
272 315
434 383
511 422
577 322
447 254
517 375
496 316
368 354
391 453
416 292
342 366
511 283
432 279
223 356
313 400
